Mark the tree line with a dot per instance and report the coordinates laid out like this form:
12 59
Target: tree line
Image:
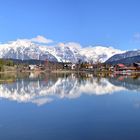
5 63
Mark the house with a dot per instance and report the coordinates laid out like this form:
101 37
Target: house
86 66
89 66
32 67
137 66
119 67
123 69
69 66
73 66
36 67
111 68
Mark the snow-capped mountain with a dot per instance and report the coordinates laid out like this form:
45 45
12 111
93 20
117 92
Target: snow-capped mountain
62 52
69 52
128 54
24 50
99 53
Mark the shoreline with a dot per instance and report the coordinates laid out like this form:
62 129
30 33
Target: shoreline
68 71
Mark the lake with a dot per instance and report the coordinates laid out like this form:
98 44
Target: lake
64 106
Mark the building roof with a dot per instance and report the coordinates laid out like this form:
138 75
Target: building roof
121 65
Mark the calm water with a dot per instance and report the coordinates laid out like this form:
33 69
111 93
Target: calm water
69 107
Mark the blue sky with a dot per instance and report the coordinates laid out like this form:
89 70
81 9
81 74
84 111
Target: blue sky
89 22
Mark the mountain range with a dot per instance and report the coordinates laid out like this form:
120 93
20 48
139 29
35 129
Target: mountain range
61 52
24 49
128 57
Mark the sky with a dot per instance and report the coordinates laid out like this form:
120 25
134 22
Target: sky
113 23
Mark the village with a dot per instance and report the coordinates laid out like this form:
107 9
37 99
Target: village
85 67
48 66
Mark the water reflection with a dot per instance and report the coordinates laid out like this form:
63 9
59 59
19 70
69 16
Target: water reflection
128 82
44 88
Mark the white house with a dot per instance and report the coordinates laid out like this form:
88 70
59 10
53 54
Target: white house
32 67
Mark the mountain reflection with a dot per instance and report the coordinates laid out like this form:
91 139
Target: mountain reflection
45 88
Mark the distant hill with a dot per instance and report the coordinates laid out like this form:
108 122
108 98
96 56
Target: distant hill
127 61
128 57
29 62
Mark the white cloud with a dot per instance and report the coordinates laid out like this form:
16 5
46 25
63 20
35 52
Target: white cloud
41 39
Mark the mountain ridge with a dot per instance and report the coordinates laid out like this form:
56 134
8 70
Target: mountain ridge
61 52
128 57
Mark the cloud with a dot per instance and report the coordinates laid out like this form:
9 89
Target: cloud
41 39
